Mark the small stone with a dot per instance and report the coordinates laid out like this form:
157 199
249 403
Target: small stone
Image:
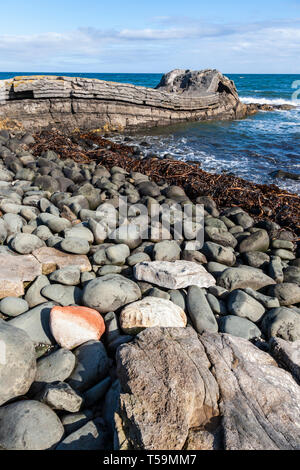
155 292
33 294
68 276
150 312
91 367
167 250
292 274
137 258
219 253
242 277
257 241
29 425
256 259
117 254
275 269
60 396
284 244
287 293
173 275
110 292
282 322
244 306
238 326
284 254
25 243
73 326
200 312
57 366
75 245
127 234
54 223
74 421
13 306
64 295
35 323
92 436
17 362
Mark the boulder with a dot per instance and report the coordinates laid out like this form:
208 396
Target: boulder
243 305
282 322
242 277
174 382
29 425
17 362
73 326
173 275
110 292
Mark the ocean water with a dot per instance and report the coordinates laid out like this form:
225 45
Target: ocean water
251 148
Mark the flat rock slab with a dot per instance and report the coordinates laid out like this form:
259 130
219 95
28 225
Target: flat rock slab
52 259
173 381
174 275
14 271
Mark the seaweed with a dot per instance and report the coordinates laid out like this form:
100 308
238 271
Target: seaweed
260 200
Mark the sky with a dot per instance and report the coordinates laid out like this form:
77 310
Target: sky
96 36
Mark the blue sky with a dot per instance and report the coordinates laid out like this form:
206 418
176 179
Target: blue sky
155 36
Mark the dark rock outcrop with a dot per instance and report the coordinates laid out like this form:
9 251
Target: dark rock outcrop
214 391
83 103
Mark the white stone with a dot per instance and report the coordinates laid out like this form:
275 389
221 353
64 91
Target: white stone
174 275
150 312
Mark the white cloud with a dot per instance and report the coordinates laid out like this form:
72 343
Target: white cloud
192 44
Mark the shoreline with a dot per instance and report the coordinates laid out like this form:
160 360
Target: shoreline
266 201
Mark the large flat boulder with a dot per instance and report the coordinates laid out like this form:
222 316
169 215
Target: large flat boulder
211 391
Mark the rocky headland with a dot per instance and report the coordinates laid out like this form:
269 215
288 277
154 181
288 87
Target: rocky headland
40 102
114 340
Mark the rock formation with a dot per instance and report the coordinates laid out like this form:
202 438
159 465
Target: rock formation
37 102
214 391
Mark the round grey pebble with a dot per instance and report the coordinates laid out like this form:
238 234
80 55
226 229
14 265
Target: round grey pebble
13 306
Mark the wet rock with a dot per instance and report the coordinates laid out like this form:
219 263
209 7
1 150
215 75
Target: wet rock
173 275
17 362
73 326
29 425
150 312
110 292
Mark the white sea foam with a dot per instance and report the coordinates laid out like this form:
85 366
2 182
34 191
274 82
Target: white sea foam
274 101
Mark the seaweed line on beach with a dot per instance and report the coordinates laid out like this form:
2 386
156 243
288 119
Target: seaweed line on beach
260 200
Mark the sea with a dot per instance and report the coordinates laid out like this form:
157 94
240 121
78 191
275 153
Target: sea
252 148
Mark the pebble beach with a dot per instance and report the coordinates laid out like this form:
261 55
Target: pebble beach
83 297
